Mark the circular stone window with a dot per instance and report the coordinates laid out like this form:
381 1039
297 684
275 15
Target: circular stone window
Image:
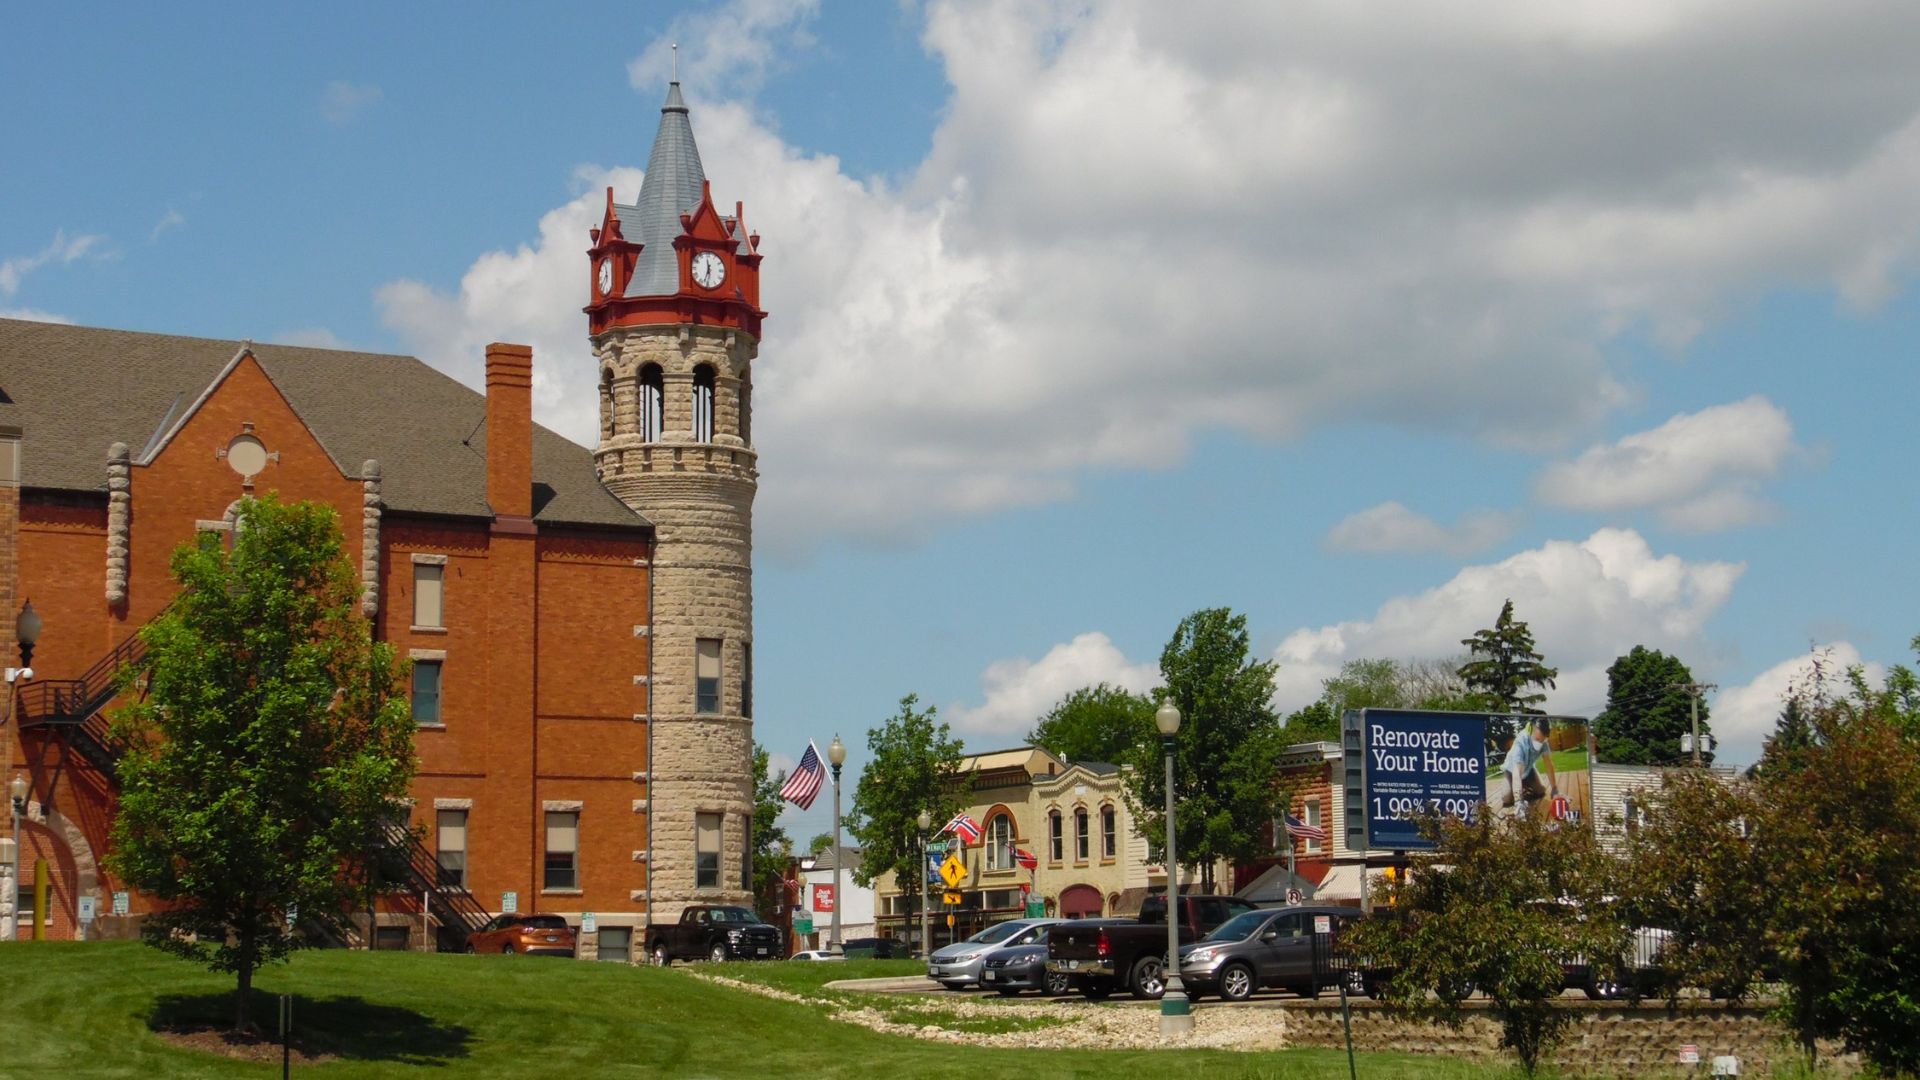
246 455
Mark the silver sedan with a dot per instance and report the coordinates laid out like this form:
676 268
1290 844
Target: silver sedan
959 964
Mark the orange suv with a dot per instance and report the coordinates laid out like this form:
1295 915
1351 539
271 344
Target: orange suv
539 935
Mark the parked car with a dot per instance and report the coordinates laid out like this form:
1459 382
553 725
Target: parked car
715 932
1267 947
1013 968
959 964
817 954
534 935
876 948
1099 956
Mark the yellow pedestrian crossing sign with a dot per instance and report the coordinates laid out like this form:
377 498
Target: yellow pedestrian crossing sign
953 872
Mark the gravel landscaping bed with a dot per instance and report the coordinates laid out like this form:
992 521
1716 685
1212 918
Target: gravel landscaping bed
1041 1024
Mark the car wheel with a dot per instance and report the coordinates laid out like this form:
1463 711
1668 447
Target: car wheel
470 951
660 955
718 955
1458 991
1373 986
1236 982
1057 983
1096 990
507 949
1604 990
1148 979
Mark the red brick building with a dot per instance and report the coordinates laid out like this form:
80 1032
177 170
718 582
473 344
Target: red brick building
537 585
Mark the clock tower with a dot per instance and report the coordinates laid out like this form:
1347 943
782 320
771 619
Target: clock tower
674 317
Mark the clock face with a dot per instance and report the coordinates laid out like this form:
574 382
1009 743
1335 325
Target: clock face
708 270
606 276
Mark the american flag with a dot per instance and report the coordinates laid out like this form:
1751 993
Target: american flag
1027 859
964 827
803 783
1296 827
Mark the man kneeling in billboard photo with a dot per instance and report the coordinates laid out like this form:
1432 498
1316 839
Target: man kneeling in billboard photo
1524 760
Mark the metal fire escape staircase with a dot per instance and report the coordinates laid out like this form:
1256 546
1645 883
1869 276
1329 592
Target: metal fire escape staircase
71 714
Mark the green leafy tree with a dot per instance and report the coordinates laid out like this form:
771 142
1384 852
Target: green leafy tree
1379 684
771 847
820 844
274 739
1497 906
1837 839
913 765
1227 753
1649 707
1096 723
1502 668
1691 870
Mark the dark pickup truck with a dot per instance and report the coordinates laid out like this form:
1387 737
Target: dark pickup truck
1099 956
715 933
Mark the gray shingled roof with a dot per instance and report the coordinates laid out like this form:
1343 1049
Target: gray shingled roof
77 390
672 187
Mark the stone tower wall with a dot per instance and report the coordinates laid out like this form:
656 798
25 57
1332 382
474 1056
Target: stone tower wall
699 495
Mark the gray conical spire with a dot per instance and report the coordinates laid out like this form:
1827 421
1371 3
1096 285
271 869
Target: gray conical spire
671 188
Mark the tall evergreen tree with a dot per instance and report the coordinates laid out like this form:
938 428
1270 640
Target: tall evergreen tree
274 740
1502 671
1226 757
1649 707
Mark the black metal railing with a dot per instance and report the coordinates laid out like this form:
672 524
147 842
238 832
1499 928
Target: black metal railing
75 706
456 909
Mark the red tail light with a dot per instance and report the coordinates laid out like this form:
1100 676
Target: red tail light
1102 946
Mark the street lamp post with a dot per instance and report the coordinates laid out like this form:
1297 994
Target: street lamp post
1176 1013
837 755
925 821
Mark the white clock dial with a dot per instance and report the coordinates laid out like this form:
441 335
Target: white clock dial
606 276
708 270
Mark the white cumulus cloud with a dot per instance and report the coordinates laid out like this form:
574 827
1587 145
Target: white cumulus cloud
1138 222
1392 528
1586 603
1700 469
60 251
1019 691
1743 716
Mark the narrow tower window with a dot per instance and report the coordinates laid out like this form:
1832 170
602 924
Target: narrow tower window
703 403
746 411
706 838
606 404
563 848
706 675
452 833
652 390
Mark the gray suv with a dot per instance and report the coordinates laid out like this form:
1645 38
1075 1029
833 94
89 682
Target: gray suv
1287 947
959 964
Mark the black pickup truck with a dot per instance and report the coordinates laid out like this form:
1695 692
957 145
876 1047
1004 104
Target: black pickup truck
1099 956
711 932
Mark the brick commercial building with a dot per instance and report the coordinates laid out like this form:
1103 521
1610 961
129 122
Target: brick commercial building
580 621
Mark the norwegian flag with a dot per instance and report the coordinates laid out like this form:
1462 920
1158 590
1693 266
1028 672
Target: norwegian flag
803 783
1027 859
1296 827
964 827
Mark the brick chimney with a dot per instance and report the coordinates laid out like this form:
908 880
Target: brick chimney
510 430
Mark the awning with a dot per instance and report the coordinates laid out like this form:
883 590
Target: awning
1318 881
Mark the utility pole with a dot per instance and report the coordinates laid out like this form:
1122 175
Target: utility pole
1694 690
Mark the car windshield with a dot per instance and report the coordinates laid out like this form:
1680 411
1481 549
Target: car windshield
734 915
1240 927
994 935
544 922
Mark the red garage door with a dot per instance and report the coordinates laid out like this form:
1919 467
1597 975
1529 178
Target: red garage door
1080 902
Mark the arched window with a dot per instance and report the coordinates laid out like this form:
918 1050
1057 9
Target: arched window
606 403
703 403
746 411
1000 842
1082 841
1109 832
1056 837
652 390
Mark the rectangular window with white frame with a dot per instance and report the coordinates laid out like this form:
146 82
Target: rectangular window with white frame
426 693
450 833
706 847
429 583
563 850
1081 840
1310 815
1109 833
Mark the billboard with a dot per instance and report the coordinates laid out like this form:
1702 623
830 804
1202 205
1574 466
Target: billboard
1462 765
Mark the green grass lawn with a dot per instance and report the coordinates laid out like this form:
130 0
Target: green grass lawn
83 1010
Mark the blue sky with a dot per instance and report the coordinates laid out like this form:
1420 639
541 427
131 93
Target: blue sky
1357 322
